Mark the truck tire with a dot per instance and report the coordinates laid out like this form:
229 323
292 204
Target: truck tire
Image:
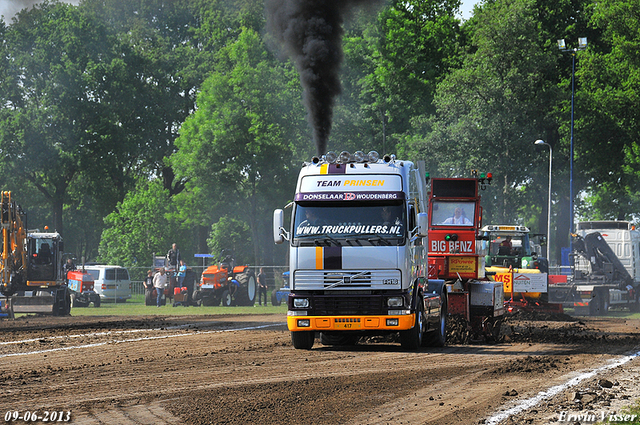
246 293
274 299
338 338
96 303
411 339
303 340
438 337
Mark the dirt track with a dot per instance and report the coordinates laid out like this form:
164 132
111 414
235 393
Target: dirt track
243 369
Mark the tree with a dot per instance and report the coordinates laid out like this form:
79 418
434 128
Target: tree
231 236
236 148
56 62
392 68
610 90
139 227
489 112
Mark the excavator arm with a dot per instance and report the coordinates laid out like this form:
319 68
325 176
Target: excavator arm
13 262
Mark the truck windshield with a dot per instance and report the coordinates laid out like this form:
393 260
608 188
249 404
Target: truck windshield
452 213
361 223
509 245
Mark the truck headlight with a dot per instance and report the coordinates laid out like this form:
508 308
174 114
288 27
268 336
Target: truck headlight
301 302
395 302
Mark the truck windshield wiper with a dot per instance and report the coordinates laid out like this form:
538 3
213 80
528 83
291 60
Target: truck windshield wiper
320 237
369 236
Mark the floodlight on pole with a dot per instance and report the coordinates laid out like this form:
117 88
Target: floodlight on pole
542 142
582 44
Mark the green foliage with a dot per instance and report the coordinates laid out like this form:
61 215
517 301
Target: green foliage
610 78
489 111
56 62
232 236
387 83
179 109
234 149
139 227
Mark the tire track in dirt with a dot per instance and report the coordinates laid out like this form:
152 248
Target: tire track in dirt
256 376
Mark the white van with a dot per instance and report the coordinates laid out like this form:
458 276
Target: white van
112 283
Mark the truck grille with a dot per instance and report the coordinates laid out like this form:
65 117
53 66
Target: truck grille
347 304
346 279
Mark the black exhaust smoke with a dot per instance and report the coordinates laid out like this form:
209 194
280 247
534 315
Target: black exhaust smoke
311 32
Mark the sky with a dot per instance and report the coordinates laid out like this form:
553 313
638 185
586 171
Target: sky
466 8
8 8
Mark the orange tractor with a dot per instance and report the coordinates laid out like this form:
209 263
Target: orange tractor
80 283
226 283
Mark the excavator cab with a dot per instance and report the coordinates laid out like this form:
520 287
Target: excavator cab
43 250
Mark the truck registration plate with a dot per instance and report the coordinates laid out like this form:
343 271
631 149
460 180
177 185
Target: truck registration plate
347 323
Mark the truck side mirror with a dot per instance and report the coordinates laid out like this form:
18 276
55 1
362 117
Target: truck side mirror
278 222
423 224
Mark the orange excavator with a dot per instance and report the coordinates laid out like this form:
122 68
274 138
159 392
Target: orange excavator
31 273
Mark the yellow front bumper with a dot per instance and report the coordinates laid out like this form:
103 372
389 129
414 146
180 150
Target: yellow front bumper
350 323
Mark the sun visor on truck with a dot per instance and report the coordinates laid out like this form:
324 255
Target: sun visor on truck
350 188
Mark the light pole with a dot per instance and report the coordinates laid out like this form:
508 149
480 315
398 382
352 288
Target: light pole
582 44
541 142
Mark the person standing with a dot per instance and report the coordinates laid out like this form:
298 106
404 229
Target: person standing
182 272
173 257
148 281
160 282
172 260
68 266
262 286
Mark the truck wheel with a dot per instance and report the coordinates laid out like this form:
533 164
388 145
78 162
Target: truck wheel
338 338
303 340
274 299
246 293
96 302
438 337
411 339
